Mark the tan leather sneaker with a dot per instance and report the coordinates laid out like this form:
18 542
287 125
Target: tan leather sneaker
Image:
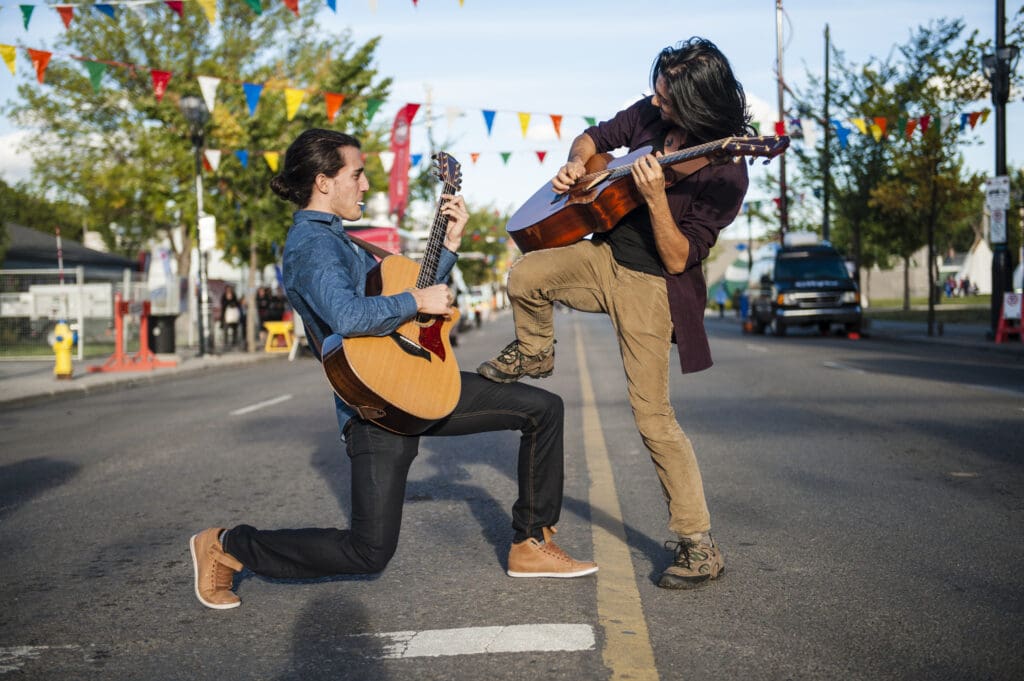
510 365
696 563
214 570
532 558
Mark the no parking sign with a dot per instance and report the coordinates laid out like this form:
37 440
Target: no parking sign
1011 306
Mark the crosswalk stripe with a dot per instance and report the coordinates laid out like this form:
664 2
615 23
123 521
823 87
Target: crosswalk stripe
519 638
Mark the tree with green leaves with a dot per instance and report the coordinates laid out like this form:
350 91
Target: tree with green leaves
104 142
893 192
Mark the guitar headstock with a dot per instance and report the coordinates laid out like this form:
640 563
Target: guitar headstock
448 171
765 146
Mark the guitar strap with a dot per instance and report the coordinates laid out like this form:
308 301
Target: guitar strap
367 246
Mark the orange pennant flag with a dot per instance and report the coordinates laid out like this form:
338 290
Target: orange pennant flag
973 118
66 12
474 156
524 122
911 126
160 79
293 5
334 100
556 121
40 59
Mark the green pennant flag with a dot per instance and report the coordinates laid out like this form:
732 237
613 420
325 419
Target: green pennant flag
756 125
256 6
505 156
591 121
96 71
26 14
371 108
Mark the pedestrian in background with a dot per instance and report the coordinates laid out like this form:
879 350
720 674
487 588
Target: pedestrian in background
230 316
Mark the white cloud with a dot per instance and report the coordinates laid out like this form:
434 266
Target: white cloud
15 162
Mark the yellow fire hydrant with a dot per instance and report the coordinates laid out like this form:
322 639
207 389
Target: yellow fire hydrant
63 340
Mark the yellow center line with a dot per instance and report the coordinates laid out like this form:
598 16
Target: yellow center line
627 644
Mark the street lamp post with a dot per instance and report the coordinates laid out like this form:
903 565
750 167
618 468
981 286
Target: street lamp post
196 114
997 68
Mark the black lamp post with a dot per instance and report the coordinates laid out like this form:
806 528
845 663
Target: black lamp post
997 68
196 114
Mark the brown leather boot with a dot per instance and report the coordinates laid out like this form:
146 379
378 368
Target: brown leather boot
531 558
510 365
214 570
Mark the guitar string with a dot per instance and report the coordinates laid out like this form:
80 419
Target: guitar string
432 252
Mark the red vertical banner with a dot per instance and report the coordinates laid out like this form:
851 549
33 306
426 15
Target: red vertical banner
398 190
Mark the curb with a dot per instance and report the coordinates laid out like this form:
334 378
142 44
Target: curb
132 380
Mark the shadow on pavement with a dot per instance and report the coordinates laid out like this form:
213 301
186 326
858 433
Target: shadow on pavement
21 481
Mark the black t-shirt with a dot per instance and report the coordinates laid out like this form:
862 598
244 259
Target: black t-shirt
632 240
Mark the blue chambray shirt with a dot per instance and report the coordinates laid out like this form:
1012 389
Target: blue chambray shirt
325 281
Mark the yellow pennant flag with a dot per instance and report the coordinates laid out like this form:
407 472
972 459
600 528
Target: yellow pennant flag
524 122
9 56
293 100
861 125
209 8
272 157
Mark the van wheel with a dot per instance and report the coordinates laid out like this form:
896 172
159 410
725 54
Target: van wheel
823 328
759 328
778 328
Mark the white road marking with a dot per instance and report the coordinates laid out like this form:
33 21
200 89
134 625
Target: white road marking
755 348
519 638
261 405
843 367
13 658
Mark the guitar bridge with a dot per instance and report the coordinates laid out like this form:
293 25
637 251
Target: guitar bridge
409 347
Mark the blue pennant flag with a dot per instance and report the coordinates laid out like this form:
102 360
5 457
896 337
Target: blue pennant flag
243 156
252 95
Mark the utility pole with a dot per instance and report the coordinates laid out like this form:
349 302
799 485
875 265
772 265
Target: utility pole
783 207
826 160
998 67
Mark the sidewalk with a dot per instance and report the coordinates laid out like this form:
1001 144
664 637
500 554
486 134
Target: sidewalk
27 382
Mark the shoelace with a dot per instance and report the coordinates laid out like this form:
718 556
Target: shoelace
510 353
223 576
681 549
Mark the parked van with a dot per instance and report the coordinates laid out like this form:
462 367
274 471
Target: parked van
808 284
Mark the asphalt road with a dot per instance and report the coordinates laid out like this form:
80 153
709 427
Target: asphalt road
868 497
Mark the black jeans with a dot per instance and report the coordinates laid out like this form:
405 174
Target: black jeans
380 466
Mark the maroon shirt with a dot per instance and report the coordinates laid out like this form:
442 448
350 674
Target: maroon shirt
702 205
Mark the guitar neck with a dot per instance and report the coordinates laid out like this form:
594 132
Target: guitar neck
435 243
667 160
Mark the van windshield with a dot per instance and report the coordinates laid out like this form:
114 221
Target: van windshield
802 269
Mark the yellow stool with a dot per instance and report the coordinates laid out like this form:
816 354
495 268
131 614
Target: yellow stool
276 330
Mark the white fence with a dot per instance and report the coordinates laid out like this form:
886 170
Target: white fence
33 301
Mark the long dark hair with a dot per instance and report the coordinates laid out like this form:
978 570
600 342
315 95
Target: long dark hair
313 152
707 100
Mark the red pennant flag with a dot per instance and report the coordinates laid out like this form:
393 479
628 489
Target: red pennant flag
206 165
334 101
160 79
973 118
780 128
911 125
40 59
541 155
556 120
293 5
474 157
67 12
923 121
881 122
176 6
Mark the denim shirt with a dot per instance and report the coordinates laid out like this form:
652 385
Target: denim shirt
325 281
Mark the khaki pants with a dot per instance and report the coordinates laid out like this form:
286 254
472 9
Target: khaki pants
586 277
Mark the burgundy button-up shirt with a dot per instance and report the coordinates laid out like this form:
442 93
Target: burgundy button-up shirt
701 204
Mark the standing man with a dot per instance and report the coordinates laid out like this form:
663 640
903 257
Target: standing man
325 279
645 274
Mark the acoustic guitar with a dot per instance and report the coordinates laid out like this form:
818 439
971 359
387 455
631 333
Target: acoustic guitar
607 193
409 379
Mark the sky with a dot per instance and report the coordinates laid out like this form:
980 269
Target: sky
572 59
